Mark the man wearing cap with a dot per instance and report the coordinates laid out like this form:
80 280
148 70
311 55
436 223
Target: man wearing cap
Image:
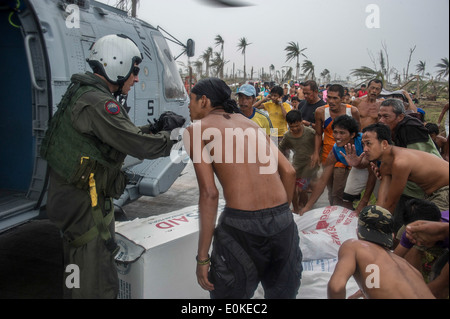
246 99
379 273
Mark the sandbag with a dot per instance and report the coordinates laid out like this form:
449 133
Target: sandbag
325 243
324 217
322 231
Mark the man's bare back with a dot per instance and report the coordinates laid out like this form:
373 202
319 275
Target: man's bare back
244 161
381 274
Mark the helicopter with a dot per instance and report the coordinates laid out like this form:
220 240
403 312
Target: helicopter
46 43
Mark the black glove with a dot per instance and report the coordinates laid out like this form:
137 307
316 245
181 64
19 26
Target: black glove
168 121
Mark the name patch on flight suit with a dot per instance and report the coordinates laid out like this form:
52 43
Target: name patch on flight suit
112 107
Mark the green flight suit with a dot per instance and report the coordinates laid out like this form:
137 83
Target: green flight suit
97 116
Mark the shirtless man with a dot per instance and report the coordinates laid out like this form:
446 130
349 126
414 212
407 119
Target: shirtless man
257 195
379 272
400 165
369 105
324 125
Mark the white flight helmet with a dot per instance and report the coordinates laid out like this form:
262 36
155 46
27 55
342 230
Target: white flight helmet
114 56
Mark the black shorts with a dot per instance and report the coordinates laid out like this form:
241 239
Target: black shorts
253 247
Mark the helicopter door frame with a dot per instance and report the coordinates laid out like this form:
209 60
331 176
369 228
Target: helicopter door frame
39 66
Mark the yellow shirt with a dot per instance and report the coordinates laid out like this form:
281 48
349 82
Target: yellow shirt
262 120
276 116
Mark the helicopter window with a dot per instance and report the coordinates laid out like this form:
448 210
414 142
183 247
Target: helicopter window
173 86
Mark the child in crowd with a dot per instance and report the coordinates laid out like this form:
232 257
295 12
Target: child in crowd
439 140
300 139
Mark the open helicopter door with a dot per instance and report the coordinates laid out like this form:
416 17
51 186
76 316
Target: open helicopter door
25 111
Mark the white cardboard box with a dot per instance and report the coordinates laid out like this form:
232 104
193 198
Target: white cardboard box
157 256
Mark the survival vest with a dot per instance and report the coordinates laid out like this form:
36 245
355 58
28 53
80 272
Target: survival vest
76 156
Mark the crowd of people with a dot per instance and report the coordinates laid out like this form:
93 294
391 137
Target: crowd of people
365 148
298 140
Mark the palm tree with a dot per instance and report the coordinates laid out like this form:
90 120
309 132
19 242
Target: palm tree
278 76
220 59
420 68
123 5
383 65
443 68
326 75
288 74
308 69
242 46
365 73
206 57
220 41
271 69
219 64
198 65
293 52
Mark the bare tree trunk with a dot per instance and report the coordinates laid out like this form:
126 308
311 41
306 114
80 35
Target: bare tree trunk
134 8
245 71
388 68
418 87
234 76
411 51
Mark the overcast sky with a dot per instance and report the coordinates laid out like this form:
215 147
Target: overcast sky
338 34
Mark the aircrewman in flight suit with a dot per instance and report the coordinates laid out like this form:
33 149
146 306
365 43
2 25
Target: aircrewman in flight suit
85 146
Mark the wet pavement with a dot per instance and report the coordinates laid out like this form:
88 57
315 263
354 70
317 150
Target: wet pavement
31 258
